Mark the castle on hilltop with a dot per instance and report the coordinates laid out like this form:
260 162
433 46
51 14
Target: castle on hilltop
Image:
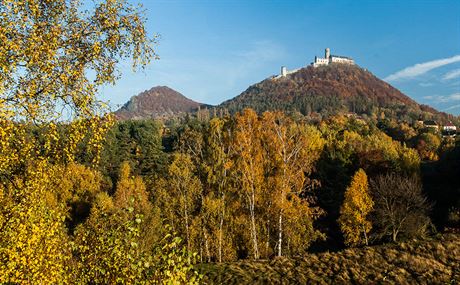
328 59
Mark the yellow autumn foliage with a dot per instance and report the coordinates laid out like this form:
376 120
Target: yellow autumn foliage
34 247
48 110
357 204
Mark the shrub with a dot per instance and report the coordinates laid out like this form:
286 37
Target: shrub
400 207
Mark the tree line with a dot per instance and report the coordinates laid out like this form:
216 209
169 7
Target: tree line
243 186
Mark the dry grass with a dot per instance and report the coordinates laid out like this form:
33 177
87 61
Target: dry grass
434 261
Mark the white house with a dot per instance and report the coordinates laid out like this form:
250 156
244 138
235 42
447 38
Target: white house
430 124
449 129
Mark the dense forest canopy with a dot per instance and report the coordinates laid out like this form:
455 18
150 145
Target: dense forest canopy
273 184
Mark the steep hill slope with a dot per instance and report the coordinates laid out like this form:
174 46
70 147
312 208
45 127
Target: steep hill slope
326 90
158 102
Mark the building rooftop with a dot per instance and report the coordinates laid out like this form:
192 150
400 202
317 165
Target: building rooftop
430 123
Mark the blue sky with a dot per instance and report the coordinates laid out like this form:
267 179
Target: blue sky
212 50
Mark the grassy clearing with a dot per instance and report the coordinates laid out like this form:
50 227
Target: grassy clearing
434 261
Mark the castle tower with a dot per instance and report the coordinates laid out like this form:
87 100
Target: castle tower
283 71
327 53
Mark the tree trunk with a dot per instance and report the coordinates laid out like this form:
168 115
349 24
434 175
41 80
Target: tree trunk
221 228
280 236
253 225
187 227
206 246
220 238
365 236
267 245
283 188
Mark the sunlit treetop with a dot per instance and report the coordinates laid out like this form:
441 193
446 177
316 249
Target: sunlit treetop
55 54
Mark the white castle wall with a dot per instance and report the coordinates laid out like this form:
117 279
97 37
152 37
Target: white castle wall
342 60
320 61
285 72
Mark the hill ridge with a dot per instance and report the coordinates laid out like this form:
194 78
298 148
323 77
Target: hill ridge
158 102
302 89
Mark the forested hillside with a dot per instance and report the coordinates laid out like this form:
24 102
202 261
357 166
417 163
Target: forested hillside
331 90
159 102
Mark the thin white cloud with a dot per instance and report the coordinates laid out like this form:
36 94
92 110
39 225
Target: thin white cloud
451 74
452 107
443 99
426 84
454 97
421 68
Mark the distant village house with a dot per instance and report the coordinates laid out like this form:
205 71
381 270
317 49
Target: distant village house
430 124
449 129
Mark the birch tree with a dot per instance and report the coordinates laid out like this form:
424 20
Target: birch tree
354 221
293 150
250 167
54 57
185 190
219 163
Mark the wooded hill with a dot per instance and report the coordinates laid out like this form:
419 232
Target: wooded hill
330 90
158 102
